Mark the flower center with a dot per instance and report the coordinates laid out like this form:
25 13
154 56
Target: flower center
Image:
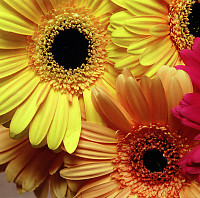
194 20
68 49
154 161
180 12
147 161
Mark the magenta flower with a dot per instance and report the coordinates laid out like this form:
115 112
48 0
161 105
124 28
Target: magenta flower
188 110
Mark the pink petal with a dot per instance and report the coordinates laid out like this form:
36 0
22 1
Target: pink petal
193 170
196 44
190 124
192 98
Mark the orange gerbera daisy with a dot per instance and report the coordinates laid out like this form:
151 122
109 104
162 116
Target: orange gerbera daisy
150 33
33 169
51 54
141 158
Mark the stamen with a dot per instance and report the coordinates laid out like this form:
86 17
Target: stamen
131 169
179 11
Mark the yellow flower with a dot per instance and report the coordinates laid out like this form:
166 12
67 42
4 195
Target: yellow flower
51 54
140 157
150 33
34 169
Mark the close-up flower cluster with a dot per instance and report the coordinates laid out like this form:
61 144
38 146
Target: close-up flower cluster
100 98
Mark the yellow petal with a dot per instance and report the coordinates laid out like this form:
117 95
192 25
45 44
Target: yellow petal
159 101
9 40
55 3
11 23
40 124
160 30
149 7
43 189
29 9
9 66
156 51
7 117
137 101
72 135
119 2
15 92
117 20
8 53
162 61
124 193
27 110
142 24
122 38
129 61
59 123
91 113
140 45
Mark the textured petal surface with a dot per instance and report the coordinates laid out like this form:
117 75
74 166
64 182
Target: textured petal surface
72 135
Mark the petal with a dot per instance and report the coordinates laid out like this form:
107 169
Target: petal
11 53
159 101
11 23
31 10
87 171
17 164
112 110
101 190
40 124
26 111
150 7
191 113
160 30
124 193
9 66
122 38
15 92
98 133
128 61
91 113
141 24
140 45
137 101
9 40
59 123
155 52
72 135
93 150
58 186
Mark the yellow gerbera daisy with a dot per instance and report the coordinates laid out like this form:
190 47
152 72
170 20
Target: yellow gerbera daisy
34 169
51 53
141 158
150 33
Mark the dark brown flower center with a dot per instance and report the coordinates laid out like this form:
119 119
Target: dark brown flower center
194 20
70 48
154 161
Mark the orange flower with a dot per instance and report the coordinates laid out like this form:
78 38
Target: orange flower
33 169
140 157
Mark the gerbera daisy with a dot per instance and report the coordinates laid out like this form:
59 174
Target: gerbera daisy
141 158
150 33
51 54
188 111
33 169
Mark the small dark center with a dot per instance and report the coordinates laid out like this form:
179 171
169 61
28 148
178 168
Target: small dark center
194 20
154 161
70 48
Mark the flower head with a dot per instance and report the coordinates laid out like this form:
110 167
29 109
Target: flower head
51 54
139 158
150 33
33 169
188 110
